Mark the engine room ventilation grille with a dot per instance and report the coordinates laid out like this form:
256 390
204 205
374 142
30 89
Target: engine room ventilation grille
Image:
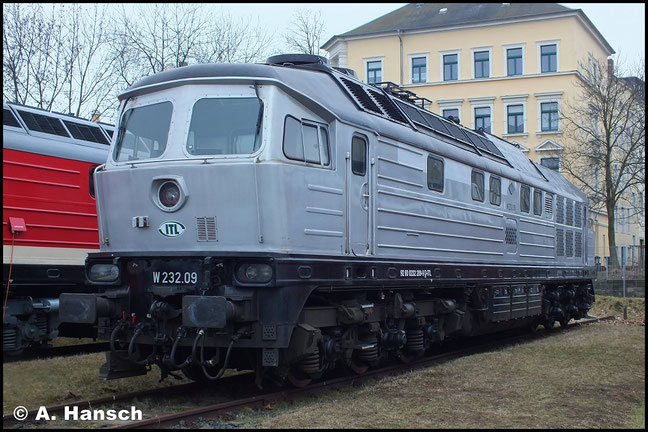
43 123
560 210
548 205
387 105
206 229
510 236
86 133
560 242
361 96
578 214
569 213
578 245
8 119
569 243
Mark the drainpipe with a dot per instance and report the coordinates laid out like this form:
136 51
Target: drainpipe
398 32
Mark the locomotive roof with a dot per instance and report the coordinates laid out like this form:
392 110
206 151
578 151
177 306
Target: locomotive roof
345 98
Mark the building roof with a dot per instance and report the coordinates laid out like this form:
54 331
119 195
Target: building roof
425 16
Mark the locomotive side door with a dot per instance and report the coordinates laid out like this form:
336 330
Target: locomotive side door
358 200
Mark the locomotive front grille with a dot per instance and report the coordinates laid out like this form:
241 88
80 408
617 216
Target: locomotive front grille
206 228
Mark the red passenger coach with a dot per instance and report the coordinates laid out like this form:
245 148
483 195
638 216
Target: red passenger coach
49 217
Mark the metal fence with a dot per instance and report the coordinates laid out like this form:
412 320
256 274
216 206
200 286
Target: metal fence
620 281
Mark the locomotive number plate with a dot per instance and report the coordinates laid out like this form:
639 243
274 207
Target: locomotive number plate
175 277
175 272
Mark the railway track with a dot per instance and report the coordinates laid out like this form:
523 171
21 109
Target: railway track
249 396
60 351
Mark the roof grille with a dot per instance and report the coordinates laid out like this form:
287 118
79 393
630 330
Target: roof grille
8 119
387 106
43 123
86 132
361 96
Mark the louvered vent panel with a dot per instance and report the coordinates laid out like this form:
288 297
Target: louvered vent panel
387 106
8 118
578 245
361 96
560 242
548 206
560 209
578 214
43 123
85 132
206 229
569 243
510 236
569 213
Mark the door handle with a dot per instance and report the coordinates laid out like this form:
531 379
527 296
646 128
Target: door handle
365 195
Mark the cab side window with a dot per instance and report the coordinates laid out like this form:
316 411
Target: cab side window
306 141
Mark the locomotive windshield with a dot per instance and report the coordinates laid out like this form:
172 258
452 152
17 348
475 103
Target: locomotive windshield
143 132
225 126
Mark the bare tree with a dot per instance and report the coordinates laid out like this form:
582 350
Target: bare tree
305 34
34 65
607 124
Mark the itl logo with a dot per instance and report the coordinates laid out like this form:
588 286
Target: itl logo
171 229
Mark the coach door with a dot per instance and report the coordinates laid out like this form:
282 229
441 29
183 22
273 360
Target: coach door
358 202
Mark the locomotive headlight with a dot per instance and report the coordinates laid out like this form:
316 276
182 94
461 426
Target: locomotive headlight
254 273
103 272
169 194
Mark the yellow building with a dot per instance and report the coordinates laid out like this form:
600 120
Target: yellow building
507 67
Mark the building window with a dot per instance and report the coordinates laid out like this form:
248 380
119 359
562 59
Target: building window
548 58
483 119
451 112
419 70
515 116
450 67
549 116
551 163
482 64
514 61
374 72
477 186
435 174
495 190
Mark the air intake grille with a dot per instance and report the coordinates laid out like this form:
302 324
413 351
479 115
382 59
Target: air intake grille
569 243
560 210
548 206
510 236
86 133
361 96
206 229
578 245
43 123
578 214
560 242
9 119
387 106
569 213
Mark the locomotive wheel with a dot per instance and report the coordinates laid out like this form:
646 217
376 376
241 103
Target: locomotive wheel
298 379
358 367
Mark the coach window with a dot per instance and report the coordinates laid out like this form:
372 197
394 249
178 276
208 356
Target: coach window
306 142
435 174
477 186
537 202
525 197
495 190
358 156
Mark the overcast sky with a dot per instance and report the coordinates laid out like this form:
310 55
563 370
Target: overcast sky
621 24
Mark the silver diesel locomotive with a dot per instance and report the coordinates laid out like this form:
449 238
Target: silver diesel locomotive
287 218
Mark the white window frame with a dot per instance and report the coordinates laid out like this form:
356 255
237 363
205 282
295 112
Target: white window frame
545 98
539 44
410 57
490 61
373 59
450 52
486 102
515 100
505 54
451 104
